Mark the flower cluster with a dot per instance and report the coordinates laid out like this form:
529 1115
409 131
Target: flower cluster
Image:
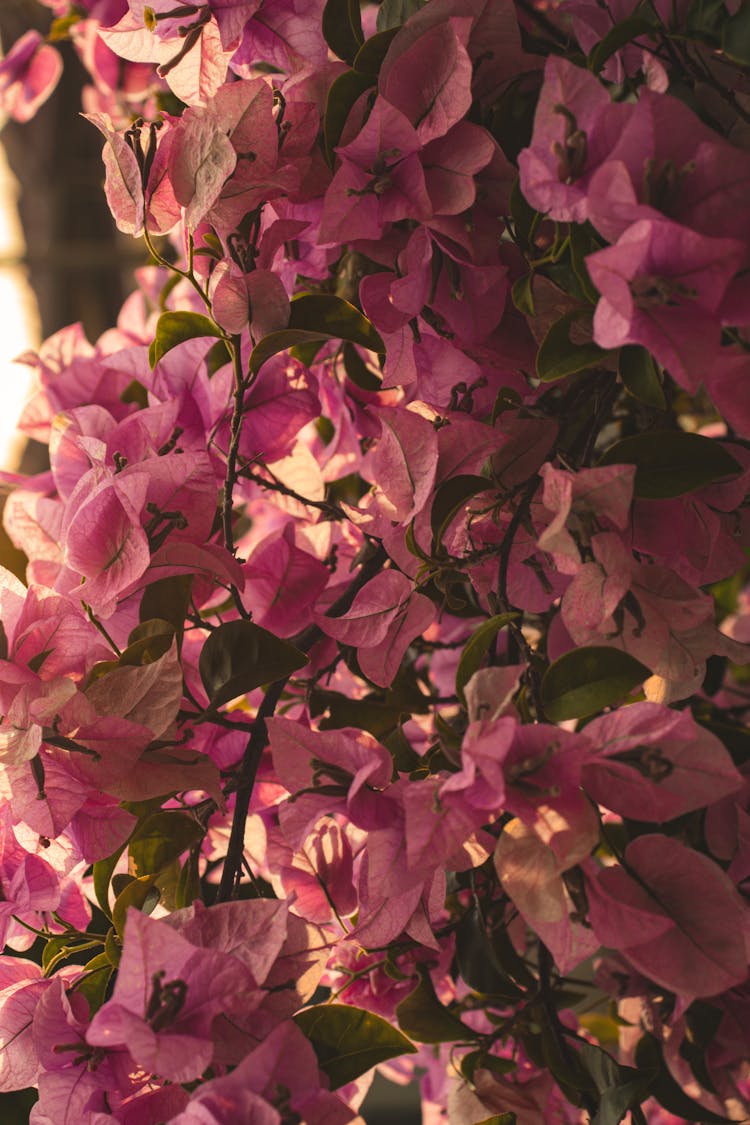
376 689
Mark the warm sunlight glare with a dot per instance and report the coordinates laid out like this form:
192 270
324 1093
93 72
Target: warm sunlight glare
19 323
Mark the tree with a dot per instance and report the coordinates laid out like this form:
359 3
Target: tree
377 694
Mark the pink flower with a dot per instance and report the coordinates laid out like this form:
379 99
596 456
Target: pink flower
28 75
661 286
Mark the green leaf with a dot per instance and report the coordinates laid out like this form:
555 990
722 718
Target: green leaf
358 371
240 656
449 499
619 1087
372 52
140 893
173 328
621 34
477 962
583 241
481 1060
500 1119
112 948
587 679
671 462
512 120
670 1095
102 875
168 599
188 887
93 984
525 218
318 316
350 1041
137 393
394 13
522 294
342 95
558 356
148 642
161 838
55 950
640 376
342 28
422 1017
735 36
476 648
705 18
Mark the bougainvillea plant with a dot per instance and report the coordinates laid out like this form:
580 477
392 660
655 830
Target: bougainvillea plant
377 694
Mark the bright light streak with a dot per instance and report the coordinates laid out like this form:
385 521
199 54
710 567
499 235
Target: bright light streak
19 321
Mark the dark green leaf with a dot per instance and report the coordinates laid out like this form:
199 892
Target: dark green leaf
585 680
525 218
640 376
735 36
394 13
450 497
168 599
477 646
522 294
318 316
161 838
56 950
422 1017
173 328
350 1041
188 887
217 357
621 34
93 984
704 18
512 120
558 356
137 393
342 28
583 241
481 1060
618 1087
113 948
148 642
477 962
671 462
102 875
37 661
357 370
342 95
670 1095
240 656
140 893
372 52
500 1119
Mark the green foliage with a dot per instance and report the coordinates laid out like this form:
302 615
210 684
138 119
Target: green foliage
671 462
671 1096
559 356
422 1017
316 317
588 679
342 28
349 1041
240 656
173 328
393 13
640 376
477 647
